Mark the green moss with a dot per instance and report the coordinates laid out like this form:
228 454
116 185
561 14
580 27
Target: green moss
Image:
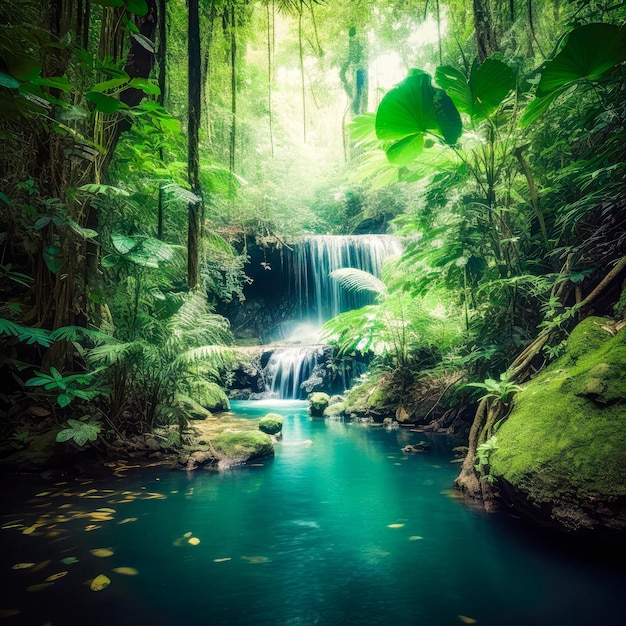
318 402
372 395
564 440
241 447
334 410
271 424
209 395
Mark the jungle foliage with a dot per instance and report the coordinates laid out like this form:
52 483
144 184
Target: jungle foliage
127 206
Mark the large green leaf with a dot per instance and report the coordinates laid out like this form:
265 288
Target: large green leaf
409 111
456 86
104 103
490 82
589 52
146 86
481 94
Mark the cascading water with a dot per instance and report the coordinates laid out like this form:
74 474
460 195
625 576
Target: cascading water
289 367
319 296
296 366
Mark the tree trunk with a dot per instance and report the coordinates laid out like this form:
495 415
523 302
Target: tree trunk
193 156
162 63
483 27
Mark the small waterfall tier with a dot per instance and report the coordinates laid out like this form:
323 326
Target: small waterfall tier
289 367
319 297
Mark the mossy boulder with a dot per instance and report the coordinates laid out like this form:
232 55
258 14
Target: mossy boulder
271 424
562 450
334 410
318 402
237 447
374 398
209 395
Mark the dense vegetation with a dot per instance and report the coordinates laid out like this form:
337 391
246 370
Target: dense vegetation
146 144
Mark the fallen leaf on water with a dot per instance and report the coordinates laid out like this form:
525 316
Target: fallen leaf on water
69 560
53 533
39 587
11 525
41 565
194 541
56 576
92 527
30 530
467 620
105 510
9 613
415 538
187 535
102 552
23 565
64 506
256 559
127 571
226 558
43 493
395 525
99 582
127 520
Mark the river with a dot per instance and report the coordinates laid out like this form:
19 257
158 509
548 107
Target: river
338 528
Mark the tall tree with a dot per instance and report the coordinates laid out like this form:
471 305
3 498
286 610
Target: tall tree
193 153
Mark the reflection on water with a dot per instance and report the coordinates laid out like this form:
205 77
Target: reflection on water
344 529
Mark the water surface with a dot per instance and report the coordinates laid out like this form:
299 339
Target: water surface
339 528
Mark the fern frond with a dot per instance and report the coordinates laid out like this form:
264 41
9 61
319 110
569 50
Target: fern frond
354 279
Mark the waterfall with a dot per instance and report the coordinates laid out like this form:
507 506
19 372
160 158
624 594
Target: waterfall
290 366
319 296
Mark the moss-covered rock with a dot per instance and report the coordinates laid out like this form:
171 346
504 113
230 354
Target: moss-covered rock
373 398
318 402
562 450
271 424
236 447
209 395
335 410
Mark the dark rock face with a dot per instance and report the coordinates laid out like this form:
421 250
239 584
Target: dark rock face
561 455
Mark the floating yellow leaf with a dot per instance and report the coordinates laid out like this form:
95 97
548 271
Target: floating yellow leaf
99 582
69 560
226 558
92 527
256 559
64 506
43 493
127 571
128 520
395 525
56 576
102 552
105 510
415 538
30 530
467 620
41 565
38 587
11 525
194 541
187 535
53 533
9 613
23 565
